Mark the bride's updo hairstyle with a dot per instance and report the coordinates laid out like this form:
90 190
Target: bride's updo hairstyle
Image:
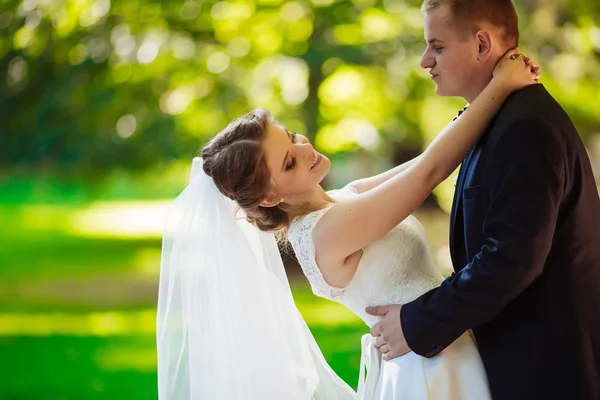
235 160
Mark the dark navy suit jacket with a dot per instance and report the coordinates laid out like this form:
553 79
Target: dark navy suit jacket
525 245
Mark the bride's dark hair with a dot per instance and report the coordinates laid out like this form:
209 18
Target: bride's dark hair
235 160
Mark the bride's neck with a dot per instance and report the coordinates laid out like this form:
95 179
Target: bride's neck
309 202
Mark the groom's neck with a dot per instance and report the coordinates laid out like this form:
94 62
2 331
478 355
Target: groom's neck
475 90
482 76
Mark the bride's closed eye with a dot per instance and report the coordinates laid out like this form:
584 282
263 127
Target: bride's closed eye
290 166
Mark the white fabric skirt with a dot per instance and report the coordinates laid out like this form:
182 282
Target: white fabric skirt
456 373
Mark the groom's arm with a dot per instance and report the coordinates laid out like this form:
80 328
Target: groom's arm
524 182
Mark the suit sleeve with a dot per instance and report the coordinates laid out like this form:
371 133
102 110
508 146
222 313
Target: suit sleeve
525 185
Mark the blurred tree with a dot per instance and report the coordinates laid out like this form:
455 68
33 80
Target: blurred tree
89 85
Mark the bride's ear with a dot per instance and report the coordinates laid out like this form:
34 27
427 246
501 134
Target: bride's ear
271 200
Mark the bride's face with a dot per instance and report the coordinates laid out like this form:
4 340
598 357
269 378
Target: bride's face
295 166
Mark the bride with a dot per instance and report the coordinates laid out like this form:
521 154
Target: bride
227 327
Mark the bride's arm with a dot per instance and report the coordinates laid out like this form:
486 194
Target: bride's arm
351 225
366 184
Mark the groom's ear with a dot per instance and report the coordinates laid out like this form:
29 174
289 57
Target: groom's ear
484 46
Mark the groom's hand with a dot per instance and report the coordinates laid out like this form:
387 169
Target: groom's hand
388 332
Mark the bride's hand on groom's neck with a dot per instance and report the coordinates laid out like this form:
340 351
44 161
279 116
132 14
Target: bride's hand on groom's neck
515 71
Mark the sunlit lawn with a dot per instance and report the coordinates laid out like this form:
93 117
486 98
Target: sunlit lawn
77 299
77 303
120 366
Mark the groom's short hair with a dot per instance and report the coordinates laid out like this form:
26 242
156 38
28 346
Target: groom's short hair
468 15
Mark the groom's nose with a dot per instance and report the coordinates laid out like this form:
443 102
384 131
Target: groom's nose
427 61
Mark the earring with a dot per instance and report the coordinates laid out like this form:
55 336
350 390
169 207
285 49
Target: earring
281 201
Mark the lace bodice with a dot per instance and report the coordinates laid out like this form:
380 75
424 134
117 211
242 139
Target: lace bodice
394 269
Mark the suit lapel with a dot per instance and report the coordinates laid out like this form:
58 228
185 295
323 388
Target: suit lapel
456 204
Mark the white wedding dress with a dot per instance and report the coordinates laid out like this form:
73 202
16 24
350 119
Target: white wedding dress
395 269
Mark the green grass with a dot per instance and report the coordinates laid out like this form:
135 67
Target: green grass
89 367
77 305
69 303
66 367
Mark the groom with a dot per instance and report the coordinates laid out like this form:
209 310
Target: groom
524 232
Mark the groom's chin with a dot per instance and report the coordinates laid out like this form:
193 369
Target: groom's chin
440 91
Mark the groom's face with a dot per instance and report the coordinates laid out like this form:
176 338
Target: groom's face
451 55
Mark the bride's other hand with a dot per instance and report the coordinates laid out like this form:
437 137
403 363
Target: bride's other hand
515 70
